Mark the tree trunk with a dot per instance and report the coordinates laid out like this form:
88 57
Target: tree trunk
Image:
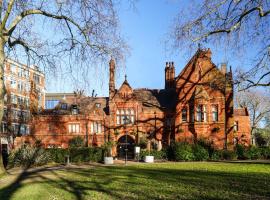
2 94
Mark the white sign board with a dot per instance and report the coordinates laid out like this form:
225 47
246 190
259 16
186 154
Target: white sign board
137 149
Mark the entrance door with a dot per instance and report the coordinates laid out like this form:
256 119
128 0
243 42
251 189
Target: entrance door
125 143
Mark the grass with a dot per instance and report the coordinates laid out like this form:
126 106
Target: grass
190 180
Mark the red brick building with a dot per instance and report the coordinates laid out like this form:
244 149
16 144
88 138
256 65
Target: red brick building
25 94
196 104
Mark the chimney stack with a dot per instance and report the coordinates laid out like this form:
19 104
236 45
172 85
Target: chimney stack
169 75
112 77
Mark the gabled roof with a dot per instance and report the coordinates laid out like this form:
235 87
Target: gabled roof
200 53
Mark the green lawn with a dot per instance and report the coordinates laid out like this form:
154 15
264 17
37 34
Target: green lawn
190 180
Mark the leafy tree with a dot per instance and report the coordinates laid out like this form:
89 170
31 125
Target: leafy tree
240 25
48 32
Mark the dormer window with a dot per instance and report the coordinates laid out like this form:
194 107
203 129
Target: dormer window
64 106
74 110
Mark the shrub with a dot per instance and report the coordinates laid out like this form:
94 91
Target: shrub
77 155
158 155
254 153
200 153
265 152
207 145
27 156
216 155
241 152
143 143
182 151
228 155
76 142
58 155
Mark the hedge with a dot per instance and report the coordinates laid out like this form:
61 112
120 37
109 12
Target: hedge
158 155
77 155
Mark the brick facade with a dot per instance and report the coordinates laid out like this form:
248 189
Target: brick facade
25 95
196 104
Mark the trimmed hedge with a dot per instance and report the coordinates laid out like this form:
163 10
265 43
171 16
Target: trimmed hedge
77 155
158 155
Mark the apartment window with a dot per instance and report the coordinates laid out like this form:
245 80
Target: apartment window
36 78
13 83
26 102
5 113
215 113
74 128
20 86
4 127
20 100
123 114
13 69
15 128
23 129
201 114
26 74
20 72
184 114
50 104
96 127
15 114
13 98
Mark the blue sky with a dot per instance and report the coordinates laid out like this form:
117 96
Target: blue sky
145 30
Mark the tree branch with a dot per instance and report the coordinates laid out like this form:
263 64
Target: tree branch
26 13
236 24
10 5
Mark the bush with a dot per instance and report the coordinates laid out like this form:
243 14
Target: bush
58 155
228 155
77 155
76 142
158 155
241 152
254 153
216 155
200 153
207 145
265 152
27 156
182 152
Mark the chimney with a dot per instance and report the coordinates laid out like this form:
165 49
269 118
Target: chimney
223 68
169 75
112 77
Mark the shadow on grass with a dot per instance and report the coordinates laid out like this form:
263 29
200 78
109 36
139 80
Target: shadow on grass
144 182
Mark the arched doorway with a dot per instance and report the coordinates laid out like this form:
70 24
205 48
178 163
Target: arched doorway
125 142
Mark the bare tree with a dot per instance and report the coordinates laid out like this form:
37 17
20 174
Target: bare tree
241 25
48 32
258 105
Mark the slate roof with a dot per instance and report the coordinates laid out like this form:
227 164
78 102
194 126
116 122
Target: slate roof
159 99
